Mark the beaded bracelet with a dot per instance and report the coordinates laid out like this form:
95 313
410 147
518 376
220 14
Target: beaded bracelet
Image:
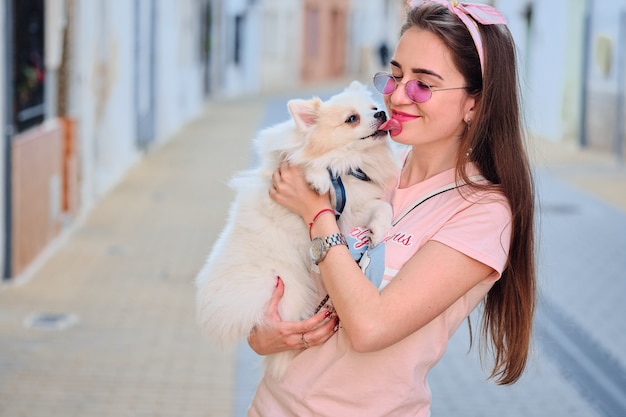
319 213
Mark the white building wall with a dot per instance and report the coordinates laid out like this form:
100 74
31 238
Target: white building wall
394 18
281 44
179 85
369 23
550 69
252 47
242 77
606 78
571 93
103 84
548 59
604 41
3 124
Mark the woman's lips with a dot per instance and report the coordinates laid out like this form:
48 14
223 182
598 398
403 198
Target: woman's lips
402 117
394 124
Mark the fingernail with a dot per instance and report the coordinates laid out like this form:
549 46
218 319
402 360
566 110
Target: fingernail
327 314
277 280
336 328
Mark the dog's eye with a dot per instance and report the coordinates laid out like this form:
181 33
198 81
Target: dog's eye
353 118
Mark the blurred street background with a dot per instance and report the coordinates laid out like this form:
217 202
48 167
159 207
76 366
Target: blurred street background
125 119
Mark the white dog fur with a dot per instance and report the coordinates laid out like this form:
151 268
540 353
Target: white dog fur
263 240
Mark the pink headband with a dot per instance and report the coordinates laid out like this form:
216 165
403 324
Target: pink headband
470 13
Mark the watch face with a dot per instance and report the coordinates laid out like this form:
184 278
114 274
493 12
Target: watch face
317 249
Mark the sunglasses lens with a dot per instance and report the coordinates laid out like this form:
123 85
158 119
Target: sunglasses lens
417 91
384 83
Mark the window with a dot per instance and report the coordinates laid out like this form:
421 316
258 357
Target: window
29 73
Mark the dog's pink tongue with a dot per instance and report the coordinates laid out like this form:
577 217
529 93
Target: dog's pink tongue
393 126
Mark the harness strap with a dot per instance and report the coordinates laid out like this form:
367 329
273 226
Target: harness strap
340 189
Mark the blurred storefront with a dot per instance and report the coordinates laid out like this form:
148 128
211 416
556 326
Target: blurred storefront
89 86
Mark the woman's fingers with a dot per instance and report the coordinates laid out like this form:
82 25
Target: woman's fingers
312 322
320 334
315 330
277 295
279 335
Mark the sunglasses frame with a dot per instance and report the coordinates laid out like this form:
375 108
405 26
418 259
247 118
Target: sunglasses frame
390 76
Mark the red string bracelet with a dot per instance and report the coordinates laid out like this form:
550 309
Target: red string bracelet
319 213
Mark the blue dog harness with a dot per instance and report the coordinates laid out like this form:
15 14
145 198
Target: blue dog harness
340 189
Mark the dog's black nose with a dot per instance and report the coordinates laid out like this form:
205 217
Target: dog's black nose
380 115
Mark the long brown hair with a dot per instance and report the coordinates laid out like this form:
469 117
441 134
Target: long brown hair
495 139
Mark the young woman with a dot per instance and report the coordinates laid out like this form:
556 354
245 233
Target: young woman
462 233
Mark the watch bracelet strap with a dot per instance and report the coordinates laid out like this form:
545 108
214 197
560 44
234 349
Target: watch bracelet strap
335 239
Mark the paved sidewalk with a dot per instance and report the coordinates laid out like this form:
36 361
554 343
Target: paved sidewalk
126 273
596 173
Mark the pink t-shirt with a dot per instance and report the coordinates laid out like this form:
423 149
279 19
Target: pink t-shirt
333 379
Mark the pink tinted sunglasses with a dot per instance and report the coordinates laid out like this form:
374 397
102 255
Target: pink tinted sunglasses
417 91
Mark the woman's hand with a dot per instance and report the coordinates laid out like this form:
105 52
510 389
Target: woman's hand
279 336
290 189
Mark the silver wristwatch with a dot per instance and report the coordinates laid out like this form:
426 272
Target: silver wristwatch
321 245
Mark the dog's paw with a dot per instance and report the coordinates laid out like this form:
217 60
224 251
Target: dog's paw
319 181
380 223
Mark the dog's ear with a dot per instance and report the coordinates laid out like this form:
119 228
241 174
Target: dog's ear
304 112
357 86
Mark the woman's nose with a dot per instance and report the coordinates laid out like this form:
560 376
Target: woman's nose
399 95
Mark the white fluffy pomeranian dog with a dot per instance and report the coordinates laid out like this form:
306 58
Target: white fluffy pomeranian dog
263 240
